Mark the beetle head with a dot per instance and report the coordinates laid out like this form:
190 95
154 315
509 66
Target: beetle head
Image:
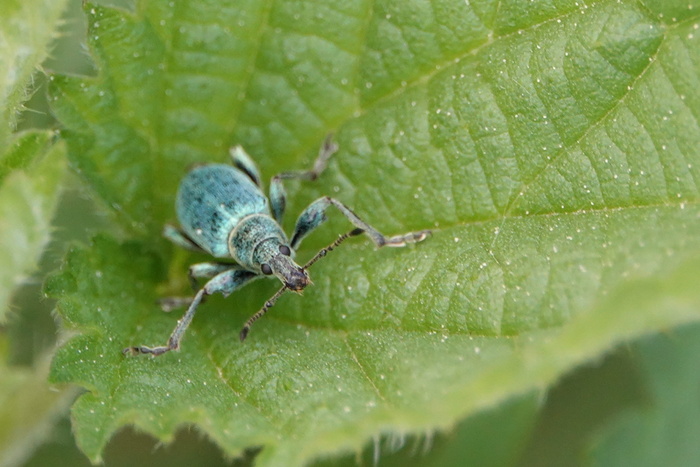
258 244
276 258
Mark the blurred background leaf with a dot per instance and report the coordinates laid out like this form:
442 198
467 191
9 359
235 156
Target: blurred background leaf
665 429
32 166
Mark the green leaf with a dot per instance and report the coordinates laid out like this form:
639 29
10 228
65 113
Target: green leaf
26 29
490 438
667 429
28 408
552 147
28 199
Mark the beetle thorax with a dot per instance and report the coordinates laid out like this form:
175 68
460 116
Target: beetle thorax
249 235
258 244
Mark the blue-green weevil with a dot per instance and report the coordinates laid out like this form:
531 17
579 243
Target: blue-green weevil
223 212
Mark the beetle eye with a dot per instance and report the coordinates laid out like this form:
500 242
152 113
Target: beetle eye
284 249
266 269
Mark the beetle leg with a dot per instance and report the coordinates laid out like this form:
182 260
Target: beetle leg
315 215
208 270
245 163
225 283
196 271
278 197
180 238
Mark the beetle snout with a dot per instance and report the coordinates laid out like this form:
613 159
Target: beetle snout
293 276
297 280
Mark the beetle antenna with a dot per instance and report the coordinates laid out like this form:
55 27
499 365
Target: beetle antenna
272 300
324 251
268 304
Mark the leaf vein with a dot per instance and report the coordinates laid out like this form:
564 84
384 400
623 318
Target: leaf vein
565 149
362 369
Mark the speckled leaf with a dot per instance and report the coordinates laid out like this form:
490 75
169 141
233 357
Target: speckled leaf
553 147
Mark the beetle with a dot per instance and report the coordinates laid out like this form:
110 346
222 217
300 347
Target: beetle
223 212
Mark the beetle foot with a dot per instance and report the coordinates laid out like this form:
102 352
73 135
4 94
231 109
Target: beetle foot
411 237
142 349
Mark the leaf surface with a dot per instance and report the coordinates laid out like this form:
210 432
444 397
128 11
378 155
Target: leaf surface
552 147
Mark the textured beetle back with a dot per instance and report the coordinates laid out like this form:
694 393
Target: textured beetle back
211 200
